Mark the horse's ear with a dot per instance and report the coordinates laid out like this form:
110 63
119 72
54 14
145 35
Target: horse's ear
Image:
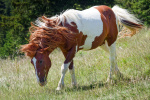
29 49
45 18
32 24
49 22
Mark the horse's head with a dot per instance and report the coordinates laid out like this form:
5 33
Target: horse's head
42 64
39 59
42 43
43 40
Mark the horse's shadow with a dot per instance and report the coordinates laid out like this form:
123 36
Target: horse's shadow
81 88
93 85
100 84
88 87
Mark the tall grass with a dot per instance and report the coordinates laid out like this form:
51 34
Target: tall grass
18 81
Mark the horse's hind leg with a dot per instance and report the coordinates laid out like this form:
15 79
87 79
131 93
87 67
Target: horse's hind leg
105 47
113 63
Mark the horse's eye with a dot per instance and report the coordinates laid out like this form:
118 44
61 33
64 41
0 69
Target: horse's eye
40 61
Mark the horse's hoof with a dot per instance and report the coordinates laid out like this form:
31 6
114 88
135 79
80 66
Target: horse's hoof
109 81
58 89
120 75
74 85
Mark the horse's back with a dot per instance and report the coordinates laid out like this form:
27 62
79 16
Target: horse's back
98 24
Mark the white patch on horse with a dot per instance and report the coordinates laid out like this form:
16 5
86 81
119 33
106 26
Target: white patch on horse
73 79
92 26
113 62
88 22
64 67
34 63
76 48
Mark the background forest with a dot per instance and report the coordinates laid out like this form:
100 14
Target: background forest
16 15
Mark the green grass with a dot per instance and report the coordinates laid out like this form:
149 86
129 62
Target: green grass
18 81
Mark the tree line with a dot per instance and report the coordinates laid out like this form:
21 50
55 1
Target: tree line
16 15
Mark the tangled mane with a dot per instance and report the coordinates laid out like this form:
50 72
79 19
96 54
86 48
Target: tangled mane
46 37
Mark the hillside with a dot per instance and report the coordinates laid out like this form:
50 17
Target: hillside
18 80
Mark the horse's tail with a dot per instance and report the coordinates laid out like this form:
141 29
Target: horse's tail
127 19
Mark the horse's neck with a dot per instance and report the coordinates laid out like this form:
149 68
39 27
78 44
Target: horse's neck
68 40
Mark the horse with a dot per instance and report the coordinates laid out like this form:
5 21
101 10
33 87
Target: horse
75 30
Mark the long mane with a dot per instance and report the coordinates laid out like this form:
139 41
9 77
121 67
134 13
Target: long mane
68 16
46 35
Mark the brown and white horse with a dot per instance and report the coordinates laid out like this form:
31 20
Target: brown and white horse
76 30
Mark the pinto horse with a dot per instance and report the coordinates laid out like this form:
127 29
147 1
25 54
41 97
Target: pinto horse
76 30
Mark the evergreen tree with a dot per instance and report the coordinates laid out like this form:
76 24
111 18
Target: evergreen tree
16 15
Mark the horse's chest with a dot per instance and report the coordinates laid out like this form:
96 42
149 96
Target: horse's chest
92 27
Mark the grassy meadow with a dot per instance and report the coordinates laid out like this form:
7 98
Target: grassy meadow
18 80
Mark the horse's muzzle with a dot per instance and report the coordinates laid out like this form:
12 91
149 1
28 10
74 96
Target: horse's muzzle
42 82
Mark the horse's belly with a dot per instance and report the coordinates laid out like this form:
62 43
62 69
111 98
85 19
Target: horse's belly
92 27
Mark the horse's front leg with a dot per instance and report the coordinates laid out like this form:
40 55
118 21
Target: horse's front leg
69 55
64 69
72 73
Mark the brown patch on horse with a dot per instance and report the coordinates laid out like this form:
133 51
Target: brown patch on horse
81 39
79 35
72 27
109 25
